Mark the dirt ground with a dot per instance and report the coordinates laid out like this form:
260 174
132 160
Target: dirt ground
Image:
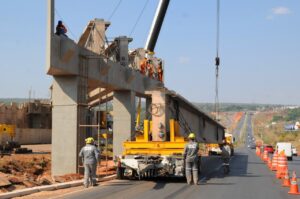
270 133
19 171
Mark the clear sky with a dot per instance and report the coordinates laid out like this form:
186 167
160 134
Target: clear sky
259 45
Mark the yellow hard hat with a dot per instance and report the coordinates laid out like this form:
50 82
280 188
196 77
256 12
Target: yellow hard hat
191 136
89 140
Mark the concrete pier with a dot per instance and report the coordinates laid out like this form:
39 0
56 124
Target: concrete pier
67 113
124 119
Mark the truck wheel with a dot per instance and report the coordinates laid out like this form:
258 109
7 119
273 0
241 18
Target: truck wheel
232 152
290 158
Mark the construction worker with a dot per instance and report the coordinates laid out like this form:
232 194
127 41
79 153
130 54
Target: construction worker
191 160
61 29
160 71
143 66
89 153
226 152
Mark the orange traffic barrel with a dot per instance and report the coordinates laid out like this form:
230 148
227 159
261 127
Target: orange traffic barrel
274 161
265 156
282 165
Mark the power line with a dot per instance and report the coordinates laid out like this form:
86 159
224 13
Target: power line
139 17
115 9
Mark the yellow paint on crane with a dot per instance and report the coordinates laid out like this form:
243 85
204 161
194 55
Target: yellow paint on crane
151 148
143 146
8 129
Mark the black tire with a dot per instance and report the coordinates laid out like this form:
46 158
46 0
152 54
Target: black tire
232 152
290 158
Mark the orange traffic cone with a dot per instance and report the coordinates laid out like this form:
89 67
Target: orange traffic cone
265 156
294 186
286 180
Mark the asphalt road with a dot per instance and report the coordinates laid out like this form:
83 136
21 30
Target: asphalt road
249 179
238 129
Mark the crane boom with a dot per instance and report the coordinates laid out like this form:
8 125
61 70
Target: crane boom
157 22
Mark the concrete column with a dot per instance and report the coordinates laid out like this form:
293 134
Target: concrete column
67 113
123 119
148 104
122 55
159 116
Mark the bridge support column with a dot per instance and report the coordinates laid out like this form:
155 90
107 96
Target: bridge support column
123 119
67 113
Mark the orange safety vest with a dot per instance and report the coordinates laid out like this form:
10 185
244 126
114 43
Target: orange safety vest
143 66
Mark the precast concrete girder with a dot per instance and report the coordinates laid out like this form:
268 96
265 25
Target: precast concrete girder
102 72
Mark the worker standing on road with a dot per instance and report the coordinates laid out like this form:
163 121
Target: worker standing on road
89 153
190 156
226 152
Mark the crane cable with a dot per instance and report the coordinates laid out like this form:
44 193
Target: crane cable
217 63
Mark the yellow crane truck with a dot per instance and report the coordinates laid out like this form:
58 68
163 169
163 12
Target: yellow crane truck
146 158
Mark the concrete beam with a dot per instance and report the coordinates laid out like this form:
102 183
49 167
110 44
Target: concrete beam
102 100
98 93
102 72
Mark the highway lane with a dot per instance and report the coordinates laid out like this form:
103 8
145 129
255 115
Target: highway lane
249 179
238 129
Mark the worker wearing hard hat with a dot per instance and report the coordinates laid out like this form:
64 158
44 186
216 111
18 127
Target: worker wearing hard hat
226 152
191 160
89 153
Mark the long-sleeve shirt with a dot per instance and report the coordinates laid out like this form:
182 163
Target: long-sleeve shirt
89 153
190 153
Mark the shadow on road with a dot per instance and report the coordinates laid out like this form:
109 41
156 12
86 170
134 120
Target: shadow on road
238 167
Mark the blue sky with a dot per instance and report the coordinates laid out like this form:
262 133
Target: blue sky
259 45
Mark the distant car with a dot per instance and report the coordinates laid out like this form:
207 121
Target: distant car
294 151
269 148
253 146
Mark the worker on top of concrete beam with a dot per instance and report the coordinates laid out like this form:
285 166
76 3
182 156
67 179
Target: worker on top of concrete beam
160 71
61 29
191 160
89 153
